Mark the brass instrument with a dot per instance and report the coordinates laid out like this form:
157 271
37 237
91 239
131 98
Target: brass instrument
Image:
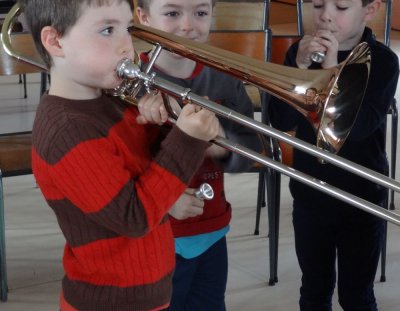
331 119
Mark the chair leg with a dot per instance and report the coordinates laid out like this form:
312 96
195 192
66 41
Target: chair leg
260 201
277 204
393 152
3 270
24 79
44 77
271 181
383 255
273 219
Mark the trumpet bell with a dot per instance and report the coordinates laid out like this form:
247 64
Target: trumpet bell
331 110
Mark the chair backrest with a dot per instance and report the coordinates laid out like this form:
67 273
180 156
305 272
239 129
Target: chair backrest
240 15
248 43
253 44
283 17
380 25
279 46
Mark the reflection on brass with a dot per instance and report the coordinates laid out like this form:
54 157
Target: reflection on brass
331 103
317 57
286 83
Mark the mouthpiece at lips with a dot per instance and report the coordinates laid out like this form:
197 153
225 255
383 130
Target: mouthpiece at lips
317 57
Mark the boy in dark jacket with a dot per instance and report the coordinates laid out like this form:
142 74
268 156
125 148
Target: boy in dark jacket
325 228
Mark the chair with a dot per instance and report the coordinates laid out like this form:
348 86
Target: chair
284 22
253 44
250 43
280 152
381 26
3 270
396 15
15 160
248 18
242 27
240 15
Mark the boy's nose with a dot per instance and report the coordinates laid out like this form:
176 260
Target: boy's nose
126 47
187 23
326 16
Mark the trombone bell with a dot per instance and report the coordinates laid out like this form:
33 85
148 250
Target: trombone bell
331 111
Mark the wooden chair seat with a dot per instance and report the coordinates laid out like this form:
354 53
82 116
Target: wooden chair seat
15 159
15 154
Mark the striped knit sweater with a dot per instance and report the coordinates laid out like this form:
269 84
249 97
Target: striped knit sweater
111 183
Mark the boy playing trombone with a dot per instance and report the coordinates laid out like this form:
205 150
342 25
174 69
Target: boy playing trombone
109 180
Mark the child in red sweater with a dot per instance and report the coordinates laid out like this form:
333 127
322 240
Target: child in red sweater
109 180
200 227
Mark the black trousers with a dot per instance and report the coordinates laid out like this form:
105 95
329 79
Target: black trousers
353 237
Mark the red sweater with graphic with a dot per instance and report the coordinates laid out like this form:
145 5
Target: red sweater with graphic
229 92
111 183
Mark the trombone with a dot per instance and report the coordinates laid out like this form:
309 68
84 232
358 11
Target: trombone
332 121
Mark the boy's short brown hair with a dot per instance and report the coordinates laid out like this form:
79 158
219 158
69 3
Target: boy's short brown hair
60 14
144 4
366 2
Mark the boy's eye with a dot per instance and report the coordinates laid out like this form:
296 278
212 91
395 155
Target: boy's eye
107 31
318 6
340 8
130 28
202 13
172 14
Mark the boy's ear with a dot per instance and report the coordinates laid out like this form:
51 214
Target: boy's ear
143 16
372 9
51 41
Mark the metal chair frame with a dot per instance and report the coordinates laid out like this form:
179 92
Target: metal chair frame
7 172
268 178
3 267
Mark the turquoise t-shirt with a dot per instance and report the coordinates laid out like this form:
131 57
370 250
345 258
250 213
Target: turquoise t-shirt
192 246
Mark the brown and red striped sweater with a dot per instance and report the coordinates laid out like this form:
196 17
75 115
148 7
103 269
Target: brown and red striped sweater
111 183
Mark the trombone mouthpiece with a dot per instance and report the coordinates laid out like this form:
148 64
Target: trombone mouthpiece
204 192
126 68
317 57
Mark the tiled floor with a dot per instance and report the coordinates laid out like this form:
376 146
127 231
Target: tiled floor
34 241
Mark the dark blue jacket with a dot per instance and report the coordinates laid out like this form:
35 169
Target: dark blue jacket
365 144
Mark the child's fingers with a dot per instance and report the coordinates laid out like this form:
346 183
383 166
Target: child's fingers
141 119
151 108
